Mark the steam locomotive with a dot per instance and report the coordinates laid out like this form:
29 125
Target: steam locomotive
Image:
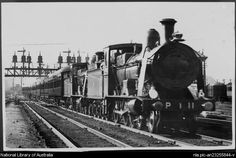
146 88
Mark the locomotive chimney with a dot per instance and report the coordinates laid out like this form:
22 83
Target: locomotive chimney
169 28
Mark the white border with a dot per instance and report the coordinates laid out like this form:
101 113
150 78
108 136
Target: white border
204 148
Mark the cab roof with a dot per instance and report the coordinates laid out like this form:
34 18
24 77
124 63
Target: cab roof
123 45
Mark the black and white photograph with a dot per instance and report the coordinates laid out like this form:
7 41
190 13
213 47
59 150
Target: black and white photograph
118 76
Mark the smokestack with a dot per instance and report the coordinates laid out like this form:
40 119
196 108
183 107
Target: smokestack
169 28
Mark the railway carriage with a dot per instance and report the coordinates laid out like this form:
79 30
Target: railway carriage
220 91
229 91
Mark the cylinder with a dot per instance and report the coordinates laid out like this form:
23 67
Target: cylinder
169 28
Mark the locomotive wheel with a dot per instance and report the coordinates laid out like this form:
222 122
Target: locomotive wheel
94 110
137 122
103 112
116 118
88 110
80 108
84 110
91 110
99 111
153 121
127 120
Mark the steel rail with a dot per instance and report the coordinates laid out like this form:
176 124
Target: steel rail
99 134
214 121
219 140
172 141
211 139
162 138
54 130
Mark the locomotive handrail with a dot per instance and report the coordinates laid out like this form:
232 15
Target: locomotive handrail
121 96
80 96
128 97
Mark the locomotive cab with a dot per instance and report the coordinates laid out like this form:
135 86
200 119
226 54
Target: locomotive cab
117 65
119 54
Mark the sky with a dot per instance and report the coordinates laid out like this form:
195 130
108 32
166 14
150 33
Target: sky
51 28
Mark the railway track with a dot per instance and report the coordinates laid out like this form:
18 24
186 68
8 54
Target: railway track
95 132
215 127
197 139
131 137
170 141
184 140
93 138
213 121
218 141
67 142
